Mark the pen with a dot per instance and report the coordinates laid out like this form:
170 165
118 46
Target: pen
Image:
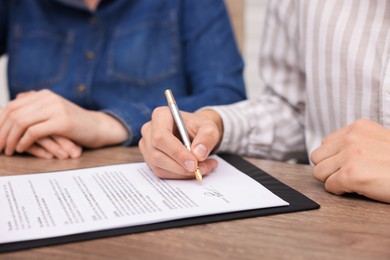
181 127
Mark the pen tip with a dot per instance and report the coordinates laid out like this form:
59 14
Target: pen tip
198 175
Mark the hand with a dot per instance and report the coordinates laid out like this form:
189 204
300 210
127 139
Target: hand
355 158
55 147
164 152
33 116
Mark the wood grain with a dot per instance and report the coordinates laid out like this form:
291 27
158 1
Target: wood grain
346 227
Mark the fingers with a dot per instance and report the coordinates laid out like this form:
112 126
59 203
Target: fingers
204 142
206 168
25 128
165 153
330 172
34 133
209 133
167 174
60 147
337 140
323 170
12 138
326 150
71 148
165 167
330 146
15 119
4 131
24 94
160 138
14 129
54 147
160 163
352 158
334 184
17 104
28 113
338 133
39 152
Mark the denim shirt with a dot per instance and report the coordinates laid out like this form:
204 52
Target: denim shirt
120 58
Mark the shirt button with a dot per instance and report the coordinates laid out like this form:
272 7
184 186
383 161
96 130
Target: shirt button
81 88
93 20
90 55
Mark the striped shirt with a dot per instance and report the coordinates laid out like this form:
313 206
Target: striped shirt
324 65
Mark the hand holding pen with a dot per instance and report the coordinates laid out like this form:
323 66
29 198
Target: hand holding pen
164 151
181 127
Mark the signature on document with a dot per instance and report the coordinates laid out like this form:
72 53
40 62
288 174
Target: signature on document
210 191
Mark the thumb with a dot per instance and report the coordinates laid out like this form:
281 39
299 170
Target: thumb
205 141
209 134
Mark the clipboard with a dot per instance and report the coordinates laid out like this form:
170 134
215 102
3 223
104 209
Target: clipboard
297 201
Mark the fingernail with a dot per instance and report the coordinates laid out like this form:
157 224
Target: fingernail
214 166
190 165
62 154
48 155
200 151
19 149
9 153
75 152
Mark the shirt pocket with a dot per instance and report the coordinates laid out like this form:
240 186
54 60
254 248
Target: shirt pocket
39 57
145 53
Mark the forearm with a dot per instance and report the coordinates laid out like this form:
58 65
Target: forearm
107 130
266 127
132 116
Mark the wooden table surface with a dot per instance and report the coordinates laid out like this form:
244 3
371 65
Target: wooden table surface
347 227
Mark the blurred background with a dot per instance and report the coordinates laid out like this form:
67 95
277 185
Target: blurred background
247 17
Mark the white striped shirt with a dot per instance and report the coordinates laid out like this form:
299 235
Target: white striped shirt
324 65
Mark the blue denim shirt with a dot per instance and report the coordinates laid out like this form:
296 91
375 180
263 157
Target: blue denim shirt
122 57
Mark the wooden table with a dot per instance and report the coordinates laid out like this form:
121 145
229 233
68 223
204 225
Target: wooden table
348 227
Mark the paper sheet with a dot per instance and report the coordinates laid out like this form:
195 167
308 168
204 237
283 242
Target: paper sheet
45 205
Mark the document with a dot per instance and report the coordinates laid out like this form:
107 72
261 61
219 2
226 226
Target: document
46 205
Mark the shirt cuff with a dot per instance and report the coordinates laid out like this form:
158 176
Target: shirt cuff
229 122
133 119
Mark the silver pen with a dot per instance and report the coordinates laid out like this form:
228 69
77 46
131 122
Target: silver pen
181 127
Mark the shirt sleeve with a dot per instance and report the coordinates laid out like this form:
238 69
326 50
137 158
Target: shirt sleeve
272 126
132 118
212 66
211 57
